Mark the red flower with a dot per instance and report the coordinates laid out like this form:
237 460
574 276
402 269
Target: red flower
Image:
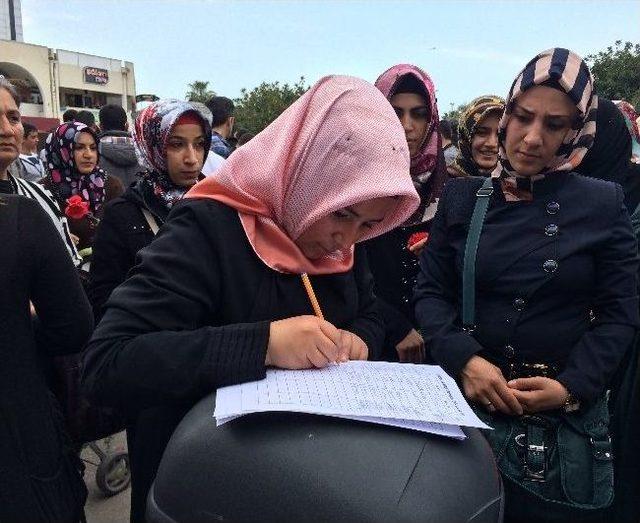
77 208
416 237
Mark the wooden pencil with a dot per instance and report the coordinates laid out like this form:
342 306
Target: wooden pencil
312 296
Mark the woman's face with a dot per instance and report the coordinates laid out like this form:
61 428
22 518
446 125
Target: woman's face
484 143
11 132
85 153
185 154
413 112
341 229
539 121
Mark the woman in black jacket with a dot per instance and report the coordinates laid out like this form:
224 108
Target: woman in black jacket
393 257
40 478
556 272
218 296
173 164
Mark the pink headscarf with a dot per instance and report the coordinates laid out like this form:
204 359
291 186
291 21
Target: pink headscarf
632 120
338 145
428 168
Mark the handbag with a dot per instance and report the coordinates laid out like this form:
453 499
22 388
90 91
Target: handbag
561 461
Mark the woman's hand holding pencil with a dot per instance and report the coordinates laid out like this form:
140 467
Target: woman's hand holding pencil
303 342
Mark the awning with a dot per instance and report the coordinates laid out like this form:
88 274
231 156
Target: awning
44 125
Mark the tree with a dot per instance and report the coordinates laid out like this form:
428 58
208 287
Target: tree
199 92
617 72
259 107
454 114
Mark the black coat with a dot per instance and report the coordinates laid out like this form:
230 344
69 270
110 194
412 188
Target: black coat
542 268
394 269
193 316
39 477
122 232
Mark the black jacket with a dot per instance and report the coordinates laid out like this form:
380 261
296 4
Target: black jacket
193 316
39 477
122 232
542 268
119 158
394 269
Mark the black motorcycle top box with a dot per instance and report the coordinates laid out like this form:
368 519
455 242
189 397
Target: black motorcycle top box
297 467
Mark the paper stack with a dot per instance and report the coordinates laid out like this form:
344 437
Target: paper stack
417 397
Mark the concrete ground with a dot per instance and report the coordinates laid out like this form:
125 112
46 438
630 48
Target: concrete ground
99 508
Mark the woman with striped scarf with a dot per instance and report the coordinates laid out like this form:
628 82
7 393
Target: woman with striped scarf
11 184
556 298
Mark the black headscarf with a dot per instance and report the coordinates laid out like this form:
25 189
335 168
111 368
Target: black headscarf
610 155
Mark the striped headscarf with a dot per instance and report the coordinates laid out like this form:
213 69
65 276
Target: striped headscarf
566 71
464 165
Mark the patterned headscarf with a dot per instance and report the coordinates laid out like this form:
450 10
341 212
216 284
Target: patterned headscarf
150 135
464 164
631 118
338 145
566 71
64 178
428 168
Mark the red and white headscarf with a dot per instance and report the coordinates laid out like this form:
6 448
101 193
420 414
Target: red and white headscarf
151 133
338 145
428 168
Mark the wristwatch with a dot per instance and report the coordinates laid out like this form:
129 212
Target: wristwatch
571 404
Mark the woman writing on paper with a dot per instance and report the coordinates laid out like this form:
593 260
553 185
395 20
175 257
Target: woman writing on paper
218 296
556 301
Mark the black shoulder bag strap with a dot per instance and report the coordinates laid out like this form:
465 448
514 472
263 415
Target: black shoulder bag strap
471 250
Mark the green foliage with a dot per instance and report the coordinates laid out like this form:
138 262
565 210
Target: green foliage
259 107
453 114
199 92
617 72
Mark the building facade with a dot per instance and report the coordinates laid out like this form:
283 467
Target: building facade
51 81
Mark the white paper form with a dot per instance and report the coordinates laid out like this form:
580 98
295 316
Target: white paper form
411 396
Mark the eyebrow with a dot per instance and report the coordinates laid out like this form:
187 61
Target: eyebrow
398 108
527 111
350 209
178 137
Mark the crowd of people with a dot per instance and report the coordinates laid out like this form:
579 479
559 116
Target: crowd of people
501 247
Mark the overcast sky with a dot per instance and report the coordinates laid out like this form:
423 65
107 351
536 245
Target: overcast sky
468 48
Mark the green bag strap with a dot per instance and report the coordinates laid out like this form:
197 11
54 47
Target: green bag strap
471 250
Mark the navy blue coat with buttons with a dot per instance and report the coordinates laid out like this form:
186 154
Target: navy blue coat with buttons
556 280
